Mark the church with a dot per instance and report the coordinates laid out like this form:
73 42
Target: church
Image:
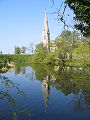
45 34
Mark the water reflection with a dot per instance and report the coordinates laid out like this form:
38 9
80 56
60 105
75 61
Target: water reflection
19 70
72 80
6 85
78 103
27 71
46 90
68 80
72 83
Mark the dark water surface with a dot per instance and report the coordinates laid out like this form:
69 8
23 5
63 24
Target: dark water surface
45 93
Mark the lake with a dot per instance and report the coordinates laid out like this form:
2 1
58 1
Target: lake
40 92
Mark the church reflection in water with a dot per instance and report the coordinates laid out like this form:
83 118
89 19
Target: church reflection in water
46 90
65 80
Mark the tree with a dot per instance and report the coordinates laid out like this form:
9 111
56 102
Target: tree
66 34
81 9
17 50
82 51
31 48
72 36
40 53
23 49
1 52
63 51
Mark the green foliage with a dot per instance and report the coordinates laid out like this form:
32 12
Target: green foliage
71 36
21 58
63 51
68 49
23 49
25 112
17 50
18 59
82 52
50 58
5 94
81 9
69 80
66 35
40 54
4 59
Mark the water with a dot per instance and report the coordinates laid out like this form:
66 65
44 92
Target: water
45 93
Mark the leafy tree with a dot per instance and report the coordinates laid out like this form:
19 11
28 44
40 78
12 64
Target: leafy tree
71 35
82 51
81 9
30 48
63 50
66 34
17 50
50 58
40 53
23 49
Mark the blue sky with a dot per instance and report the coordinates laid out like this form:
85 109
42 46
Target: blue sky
21 22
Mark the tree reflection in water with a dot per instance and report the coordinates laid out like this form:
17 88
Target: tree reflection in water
4 94
69 80
78 103
27 71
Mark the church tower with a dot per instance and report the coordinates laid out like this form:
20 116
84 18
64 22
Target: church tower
45 34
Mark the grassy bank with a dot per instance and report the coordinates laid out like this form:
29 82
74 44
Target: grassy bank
7 59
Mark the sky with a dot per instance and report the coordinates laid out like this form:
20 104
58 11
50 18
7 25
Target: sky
21 22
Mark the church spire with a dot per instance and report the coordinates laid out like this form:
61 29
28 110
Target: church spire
46 28
46 33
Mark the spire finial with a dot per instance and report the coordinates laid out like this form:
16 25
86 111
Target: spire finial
45 12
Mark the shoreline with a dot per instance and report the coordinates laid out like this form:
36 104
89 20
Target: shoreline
6 68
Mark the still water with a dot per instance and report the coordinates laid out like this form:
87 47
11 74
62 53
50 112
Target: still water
45 93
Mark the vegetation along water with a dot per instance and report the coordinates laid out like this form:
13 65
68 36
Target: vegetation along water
52 81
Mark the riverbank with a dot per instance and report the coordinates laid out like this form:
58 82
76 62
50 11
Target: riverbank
7 67
9 60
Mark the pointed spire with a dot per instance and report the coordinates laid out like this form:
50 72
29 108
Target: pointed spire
46 18
46 34
46 27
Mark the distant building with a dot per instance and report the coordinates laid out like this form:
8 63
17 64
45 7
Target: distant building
45 34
